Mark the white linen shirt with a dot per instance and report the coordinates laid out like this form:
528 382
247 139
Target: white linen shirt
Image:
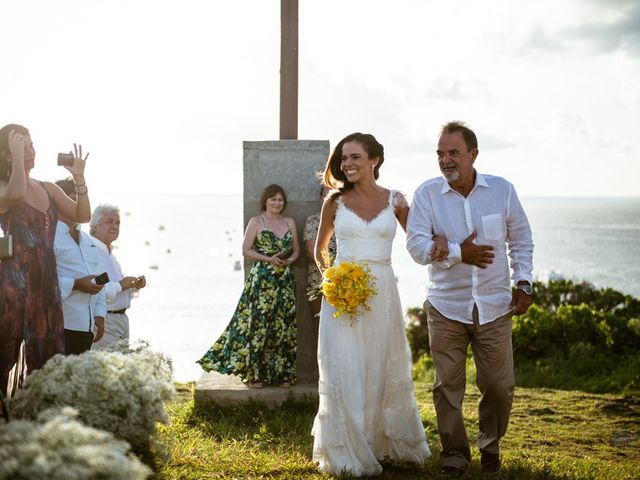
117 299
77 260
493 210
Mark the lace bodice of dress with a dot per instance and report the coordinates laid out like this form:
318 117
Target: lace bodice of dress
365 240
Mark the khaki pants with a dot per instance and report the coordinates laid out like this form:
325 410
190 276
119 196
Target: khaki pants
493 356
116 329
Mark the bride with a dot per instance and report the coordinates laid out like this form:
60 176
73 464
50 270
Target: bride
367 411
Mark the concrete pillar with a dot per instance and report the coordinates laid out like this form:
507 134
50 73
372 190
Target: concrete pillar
292 164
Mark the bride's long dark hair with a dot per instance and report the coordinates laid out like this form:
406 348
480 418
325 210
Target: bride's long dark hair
334 177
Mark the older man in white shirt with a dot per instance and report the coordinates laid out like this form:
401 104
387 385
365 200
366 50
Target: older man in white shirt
105 227
470 299
83 302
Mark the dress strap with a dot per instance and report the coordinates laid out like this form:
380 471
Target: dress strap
339 202
266 227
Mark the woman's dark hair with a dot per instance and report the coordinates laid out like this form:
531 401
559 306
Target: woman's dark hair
5 166
272 191
334 177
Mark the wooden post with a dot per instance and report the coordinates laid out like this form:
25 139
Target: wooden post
288 69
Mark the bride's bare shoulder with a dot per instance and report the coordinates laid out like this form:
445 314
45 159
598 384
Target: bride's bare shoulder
333 198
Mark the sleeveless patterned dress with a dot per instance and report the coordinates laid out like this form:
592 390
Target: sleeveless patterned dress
31 322
259 344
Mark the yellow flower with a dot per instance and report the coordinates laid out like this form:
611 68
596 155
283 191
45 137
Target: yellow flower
347 287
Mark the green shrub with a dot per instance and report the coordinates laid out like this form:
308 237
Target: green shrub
556 293
634 326
417 332
572 328
423 370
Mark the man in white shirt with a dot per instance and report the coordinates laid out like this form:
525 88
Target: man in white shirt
470 299
105 227
83 302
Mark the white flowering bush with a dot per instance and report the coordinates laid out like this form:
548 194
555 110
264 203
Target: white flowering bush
58 447
123 346
122 393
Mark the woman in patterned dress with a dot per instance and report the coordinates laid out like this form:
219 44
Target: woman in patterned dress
259 344
31 324
314 277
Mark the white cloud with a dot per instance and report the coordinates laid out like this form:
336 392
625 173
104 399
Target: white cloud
163 94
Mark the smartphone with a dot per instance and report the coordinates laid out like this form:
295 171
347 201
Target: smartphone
102 279
6 247
66 159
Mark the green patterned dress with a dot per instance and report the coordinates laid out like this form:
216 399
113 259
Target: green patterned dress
259 344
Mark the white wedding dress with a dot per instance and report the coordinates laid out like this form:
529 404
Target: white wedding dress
367 409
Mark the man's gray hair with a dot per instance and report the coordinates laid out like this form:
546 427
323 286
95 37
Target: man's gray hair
99 212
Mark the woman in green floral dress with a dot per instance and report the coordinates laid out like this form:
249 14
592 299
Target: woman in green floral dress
259 344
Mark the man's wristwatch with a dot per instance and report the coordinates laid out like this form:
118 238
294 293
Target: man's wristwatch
526 288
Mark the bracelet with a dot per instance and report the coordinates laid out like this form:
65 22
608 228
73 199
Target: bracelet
86 190
81 185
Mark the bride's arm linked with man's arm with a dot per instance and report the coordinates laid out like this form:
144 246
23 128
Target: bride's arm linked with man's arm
426 247
439 249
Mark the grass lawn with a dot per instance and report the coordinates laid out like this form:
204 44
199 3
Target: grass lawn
553 434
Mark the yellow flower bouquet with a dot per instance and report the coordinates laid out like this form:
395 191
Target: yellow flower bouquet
347 287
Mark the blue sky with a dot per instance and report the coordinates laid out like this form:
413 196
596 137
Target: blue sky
163 93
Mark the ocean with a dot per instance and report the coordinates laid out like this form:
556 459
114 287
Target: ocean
189 247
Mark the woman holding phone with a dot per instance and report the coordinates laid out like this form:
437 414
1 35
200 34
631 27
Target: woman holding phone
30 308
259 344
